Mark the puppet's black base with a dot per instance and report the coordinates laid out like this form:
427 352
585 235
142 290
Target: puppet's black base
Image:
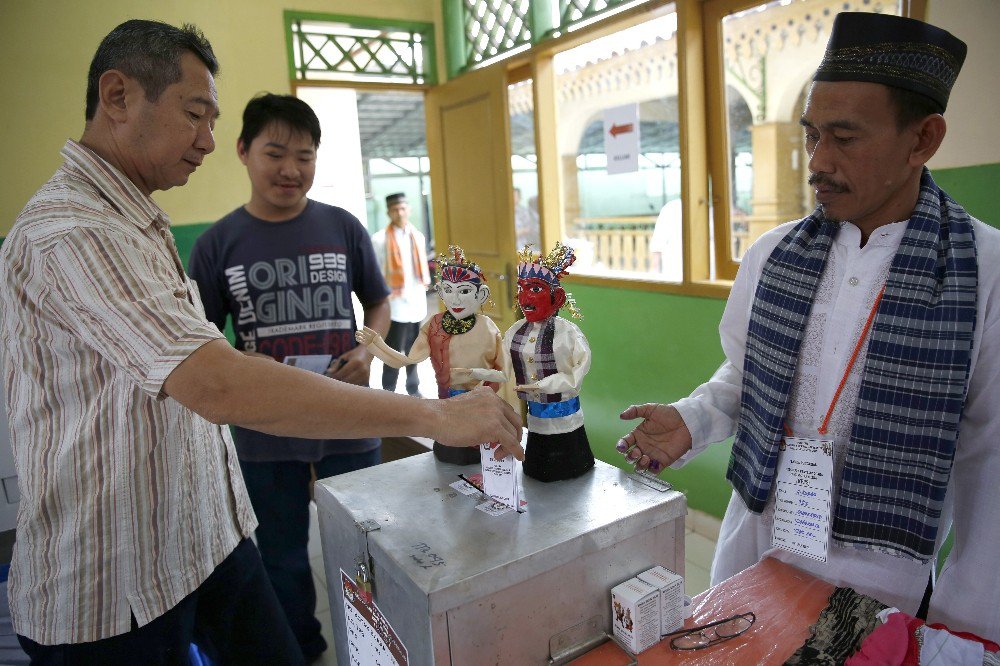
557 457
457 455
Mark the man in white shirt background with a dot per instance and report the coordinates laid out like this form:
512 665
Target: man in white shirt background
401 252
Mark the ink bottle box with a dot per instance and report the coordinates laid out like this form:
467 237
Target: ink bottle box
635 613
671 588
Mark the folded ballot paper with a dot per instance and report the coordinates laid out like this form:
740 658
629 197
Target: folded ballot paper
501 478
317 363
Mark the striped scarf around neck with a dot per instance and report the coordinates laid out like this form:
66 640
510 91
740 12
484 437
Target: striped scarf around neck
913 388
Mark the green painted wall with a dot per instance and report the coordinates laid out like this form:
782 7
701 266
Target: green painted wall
185 236
975 188
651 347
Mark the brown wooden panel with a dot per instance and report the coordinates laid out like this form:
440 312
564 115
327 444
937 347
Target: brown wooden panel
470 152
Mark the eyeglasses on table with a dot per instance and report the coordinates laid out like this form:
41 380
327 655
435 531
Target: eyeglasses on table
707 635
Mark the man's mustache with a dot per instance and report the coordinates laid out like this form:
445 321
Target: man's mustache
820 179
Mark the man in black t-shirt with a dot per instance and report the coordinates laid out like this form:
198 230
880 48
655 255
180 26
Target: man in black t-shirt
283 269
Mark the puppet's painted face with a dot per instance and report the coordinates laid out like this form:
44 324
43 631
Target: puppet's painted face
538 299
463 299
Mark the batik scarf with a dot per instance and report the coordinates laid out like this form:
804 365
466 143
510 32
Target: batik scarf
914 385
394 262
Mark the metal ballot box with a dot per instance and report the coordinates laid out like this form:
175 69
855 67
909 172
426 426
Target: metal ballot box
461 587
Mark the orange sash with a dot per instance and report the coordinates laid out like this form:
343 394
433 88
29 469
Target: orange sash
394 262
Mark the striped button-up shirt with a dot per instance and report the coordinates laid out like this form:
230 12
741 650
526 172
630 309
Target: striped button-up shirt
128 499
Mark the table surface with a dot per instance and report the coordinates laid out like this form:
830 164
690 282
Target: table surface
786 601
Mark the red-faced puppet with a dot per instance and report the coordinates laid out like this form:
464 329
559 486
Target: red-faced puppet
549 356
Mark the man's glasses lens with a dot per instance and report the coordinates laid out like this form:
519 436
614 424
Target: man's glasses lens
712 633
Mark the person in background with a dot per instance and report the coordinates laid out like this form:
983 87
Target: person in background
665 245
526 221
401 251
134 523
282 269
868 331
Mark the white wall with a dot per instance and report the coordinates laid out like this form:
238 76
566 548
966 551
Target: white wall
973 107
339 176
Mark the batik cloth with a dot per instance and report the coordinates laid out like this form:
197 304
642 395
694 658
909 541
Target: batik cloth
842 627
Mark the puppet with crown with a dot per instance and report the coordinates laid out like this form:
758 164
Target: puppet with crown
457 340
549 357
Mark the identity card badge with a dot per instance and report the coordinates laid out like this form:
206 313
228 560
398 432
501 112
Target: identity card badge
802 498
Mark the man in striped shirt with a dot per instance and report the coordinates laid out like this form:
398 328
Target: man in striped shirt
132 534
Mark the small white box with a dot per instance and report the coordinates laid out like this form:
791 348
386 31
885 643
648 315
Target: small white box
671 587
635 614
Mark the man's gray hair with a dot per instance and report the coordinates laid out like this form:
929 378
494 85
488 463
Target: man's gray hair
149 52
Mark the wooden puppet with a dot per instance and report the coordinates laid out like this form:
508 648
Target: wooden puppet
549 357
457 340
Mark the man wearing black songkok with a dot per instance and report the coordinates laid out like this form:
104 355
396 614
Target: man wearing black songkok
869 329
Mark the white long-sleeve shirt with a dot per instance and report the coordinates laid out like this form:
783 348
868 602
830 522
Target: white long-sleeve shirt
967 594
410 306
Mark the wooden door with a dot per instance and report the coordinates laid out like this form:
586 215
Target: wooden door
468 139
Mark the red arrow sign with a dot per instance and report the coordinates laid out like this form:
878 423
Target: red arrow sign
620 129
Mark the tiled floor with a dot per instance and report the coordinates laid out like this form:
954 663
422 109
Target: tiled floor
700 534
329 657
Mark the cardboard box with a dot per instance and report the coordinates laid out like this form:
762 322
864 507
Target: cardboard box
671 588
635 610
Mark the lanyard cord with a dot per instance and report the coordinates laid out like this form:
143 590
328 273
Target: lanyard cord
850 364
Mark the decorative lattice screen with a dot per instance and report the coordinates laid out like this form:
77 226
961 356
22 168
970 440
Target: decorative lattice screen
336 51
574 11
494 27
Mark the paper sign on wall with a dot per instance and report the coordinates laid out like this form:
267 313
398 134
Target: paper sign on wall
621 138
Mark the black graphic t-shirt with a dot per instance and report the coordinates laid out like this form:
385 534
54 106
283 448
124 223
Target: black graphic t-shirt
286 287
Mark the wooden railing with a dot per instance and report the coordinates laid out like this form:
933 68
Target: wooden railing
618 243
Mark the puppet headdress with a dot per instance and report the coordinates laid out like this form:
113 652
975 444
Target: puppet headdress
454 267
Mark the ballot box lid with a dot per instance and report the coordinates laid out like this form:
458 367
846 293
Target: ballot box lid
432 538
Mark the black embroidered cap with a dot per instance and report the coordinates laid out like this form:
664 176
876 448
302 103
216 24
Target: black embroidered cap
398 197
895 51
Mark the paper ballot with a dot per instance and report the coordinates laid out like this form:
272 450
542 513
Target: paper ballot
317 363
501 480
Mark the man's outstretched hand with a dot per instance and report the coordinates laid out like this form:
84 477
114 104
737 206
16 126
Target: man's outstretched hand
658 441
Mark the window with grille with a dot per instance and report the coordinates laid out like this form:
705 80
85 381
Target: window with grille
327 48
